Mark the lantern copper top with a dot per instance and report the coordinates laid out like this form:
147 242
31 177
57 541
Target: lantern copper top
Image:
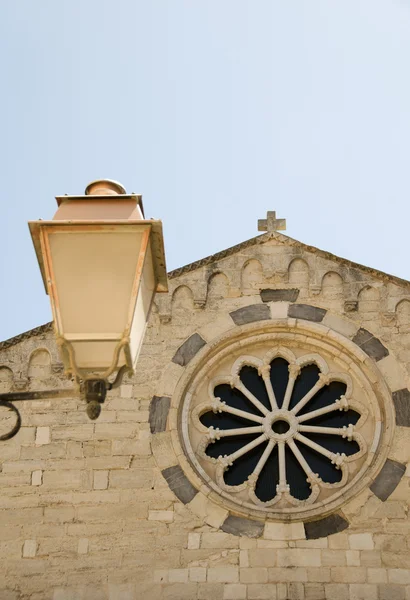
104 187
104 199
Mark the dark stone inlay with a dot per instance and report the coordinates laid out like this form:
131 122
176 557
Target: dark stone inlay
249 314
305 311
179 484
370 344
158 413
241 526
326 526
388 479
188 349
401 400
269 295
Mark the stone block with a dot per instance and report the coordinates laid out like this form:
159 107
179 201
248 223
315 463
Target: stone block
126 391
315 591
158 413
279 310
319 574
250 314
131 479
388 479
392 592
29 548
262 591
262 557
362 591
254 575
296 591
361 541
37 477
197 574
348 574
225 574
284 531
337 591
179 483
401 400
279 295
210 591
370 344
42 436
167 516
377 575
212 514
188 350
324 527
333 558
100 480
82 546
235 591
399 576
178 575
352 558
218 540
241 526
299 557
194 539
339 541
307 312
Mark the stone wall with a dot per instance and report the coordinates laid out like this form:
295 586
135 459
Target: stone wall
96 511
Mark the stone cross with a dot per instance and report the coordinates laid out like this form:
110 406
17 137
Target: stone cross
271 223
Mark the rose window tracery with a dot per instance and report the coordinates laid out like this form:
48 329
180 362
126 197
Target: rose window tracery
281 432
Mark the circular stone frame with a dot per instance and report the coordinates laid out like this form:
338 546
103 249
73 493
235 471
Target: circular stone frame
306 335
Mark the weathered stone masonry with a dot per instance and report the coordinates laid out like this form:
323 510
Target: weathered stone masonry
113 510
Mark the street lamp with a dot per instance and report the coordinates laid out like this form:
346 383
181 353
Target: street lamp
102 263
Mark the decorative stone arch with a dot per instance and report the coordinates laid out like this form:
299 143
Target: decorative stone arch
252 276
326 332
39 363
217 286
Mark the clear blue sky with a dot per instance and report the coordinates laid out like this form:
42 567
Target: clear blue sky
216 111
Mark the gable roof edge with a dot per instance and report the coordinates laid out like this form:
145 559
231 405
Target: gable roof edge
260 239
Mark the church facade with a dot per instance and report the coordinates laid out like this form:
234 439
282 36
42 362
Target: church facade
260 450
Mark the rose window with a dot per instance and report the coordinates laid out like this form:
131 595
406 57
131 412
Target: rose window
280 431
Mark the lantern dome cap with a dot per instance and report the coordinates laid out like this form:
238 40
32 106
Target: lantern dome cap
104 187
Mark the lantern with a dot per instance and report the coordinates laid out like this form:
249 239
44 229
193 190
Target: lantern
102 263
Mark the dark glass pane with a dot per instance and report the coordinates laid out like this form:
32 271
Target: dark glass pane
279 375
225 421
229 445
296 477
320 464
326 396
269 478
255 384
334 443
307 378
244 466
234 398
337 418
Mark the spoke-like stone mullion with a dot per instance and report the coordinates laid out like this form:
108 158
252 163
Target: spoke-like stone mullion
239 386
314 446
301 459
241 413
264 371
231 457
323 411
283 486
294 371
262 461
307 397
342 431
216 433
